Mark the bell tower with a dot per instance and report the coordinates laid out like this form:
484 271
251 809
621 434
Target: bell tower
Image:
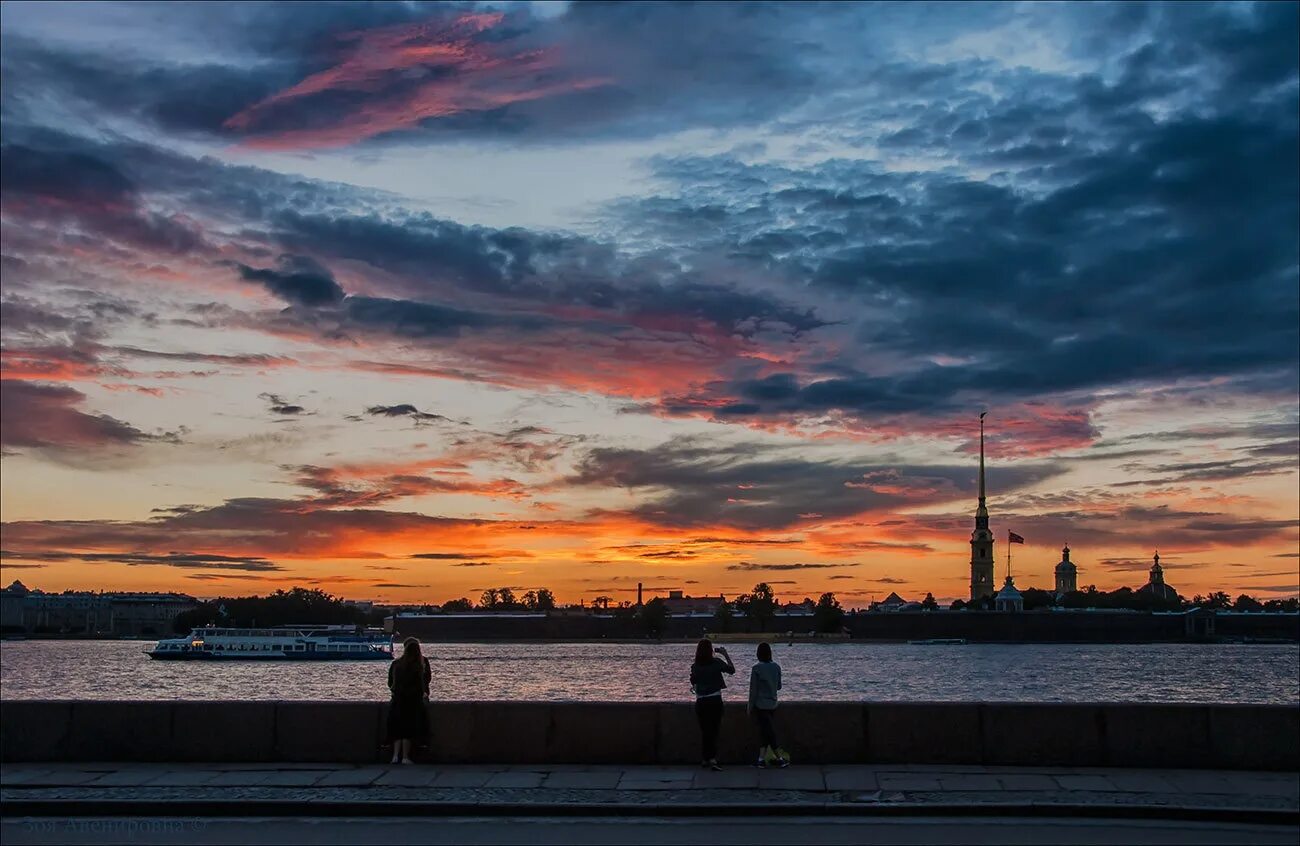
1067 574
981 540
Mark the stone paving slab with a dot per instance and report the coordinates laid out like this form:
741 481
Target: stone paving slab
358 777
1085 782
408 777
292 778
792 778
1026 781
516 779
803 786
463 778
594 779
841 779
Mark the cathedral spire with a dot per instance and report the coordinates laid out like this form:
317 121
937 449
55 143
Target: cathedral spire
981 540
982 511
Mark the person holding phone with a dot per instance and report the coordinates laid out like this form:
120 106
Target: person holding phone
707 684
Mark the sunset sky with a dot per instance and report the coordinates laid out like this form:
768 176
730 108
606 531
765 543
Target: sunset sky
404 301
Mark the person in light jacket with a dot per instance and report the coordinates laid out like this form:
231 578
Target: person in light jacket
764 682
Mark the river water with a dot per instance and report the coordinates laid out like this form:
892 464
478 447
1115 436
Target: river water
1257 673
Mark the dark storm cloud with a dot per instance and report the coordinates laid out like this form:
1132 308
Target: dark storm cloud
546 269
61 185
596 69
298 281
1139 249
447 281
693 482
1131 226
1138 267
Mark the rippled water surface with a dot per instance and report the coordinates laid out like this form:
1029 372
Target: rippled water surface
596 671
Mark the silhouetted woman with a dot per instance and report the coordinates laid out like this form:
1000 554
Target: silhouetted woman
764 682
408 718
707 683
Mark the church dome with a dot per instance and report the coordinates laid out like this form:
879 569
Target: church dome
1066 565
1009 592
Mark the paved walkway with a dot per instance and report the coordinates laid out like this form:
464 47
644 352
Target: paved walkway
216 789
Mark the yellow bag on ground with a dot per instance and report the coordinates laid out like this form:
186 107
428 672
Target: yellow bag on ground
771 755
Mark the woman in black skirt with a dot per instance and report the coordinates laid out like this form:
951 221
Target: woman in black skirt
408 718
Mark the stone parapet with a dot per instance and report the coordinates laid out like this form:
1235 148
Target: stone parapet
1244 737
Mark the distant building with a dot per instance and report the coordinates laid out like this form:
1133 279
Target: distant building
679 605
798 609
981 540
90 613
893 602
1009 599
1155 586
137 614
11 607
1067 575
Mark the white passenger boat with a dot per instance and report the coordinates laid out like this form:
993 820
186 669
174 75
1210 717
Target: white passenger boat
282 643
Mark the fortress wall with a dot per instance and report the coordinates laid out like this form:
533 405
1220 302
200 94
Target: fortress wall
1124 735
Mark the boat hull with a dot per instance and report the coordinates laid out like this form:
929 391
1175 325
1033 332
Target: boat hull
270 656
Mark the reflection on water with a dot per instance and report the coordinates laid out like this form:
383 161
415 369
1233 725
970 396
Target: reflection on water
618 671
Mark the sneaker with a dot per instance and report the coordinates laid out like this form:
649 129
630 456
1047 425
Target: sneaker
715 766
782 763
761 764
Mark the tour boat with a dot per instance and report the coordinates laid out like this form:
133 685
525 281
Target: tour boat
282 643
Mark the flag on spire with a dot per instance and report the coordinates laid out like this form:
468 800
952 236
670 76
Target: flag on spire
1012 537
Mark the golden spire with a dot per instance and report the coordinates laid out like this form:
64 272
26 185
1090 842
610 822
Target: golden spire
982 511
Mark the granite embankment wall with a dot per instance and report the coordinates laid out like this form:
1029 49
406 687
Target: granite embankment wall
1137 735
975 626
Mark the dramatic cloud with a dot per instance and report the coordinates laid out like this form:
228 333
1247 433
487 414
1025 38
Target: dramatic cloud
696 284
694 483
184 560
47 416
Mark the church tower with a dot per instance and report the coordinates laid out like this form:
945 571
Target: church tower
1067 575
981 540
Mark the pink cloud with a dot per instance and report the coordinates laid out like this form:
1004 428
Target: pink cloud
405 74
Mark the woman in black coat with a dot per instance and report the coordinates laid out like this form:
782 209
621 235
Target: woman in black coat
408 716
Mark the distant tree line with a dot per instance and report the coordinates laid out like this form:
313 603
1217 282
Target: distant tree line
281 608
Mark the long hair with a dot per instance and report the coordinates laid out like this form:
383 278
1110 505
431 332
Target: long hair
411 662
765 651
704 651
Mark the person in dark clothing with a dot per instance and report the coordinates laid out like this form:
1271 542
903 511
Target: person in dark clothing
707 684
408 718
764 682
